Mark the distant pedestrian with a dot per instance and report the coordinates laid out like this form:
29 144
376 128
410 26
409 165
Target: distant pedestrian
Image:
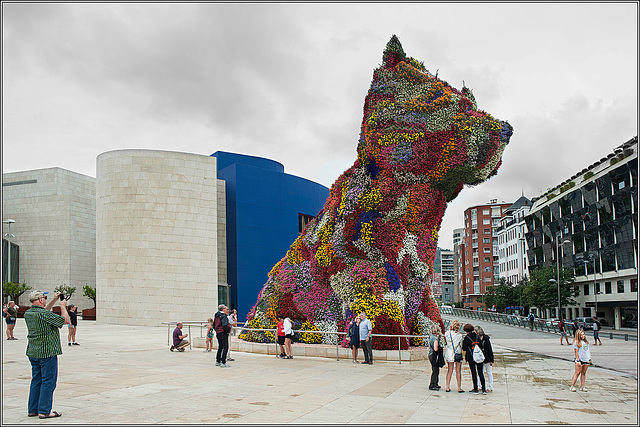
43 348
11 315
354 337
179 340
280 335
233 322
453 354
365 338
582 359
209 340
575 327
73 324
532 317
487 349
596 331
436 356
470 341
222 328
563 332
288 337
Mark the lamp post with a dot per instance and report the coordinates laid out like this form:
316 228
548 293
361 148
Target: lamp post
9 235
558 256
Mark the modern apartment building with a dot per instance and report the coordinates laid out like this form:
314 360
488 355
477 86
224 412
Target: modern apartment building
447 275
458 233
591 222
479 252
512 255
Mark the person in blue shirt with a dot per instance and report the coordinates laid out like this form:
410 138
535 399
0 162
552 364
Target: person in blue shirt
365 338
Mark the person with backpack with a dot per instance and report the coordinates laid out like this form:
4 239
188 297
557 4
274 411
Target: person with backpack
487 350
563 332
474 356
532 317
596 331
222 328
354 337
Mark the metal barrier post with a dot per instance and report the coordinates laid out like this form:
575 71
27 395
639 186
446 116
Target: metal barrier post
399 351
626 337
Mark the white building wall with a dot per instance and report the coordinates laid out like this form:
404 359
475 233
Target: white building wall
55 206
158 221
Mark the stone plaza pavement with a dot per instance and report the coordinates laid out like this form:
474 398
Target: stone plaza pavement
126 375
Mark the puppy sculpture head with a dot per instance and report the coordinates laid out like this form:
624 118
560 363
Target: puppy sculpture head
371 248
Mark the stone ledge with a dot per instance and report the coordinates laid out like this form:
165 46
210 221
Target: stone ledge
316 350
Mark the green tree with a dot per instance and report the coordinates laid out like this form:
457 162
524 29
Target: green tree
90 293
14 290
67 291
542 293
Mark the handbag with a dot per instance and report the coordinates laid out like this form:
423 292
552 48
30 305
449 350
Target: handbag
440 358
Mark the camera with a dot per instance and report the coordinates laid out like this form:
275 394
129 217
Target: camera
61 296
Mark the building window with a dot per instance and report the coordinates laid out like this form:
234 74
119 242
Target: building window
485 212
586 289
607 287
634 285
487 231
486 240
598 288
487 259
303 220
620 286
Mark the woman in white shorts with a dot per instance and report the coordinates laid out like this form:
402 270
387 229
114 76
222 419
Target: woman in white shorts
453 354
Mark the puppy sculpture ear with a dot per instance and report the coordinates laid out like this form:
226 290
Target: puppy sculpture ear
393 52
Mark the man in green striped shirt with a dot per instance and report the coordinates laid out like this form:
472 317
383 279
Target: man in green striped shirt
43 348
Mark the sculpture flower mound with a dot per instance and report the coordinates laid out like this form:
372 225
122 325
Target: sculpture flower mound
372 246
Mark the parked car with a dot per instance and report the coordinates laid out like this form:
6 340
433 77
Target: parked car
585 323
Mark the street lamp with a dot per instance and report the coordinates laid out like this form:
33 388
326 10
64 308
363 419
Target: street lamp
558 256
9 236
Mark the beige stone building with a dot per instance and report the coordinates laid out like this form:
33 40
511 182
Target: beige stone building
161 242
58 207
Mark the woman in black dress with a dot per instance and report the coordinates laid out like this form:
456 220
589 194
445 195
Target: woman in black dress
354 335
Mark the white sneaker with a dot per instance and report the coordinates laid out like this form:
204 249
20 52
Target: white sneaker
224 365
217 363
572 388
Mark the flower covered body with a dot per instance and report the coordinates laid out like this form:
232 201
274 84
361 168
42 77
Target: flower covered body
372 247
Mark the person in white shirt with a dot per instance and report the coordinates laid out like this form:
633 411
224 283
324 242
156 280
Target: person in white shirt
582 359
453 354
288 337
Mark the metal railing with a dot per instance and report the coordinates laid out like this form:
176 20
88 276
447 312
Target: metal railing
513 320
300 331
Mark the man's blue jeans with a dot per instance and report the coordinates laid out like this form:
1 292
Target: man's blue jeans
44 376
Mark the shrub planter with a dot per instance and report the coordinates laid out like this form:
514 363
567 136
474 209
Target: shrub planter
89 314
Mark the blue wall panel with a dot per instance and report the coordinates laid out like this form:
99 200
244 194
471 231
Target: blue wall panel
263 204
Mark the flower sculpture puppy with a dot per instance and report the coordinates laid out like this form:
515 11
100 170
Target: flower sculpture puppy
372 246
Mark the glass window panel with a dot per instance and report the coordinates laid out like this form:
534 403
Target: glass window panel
565 206
575 200
589 193
590 217
607 287
554 208
634 285
620 286
537 219
620 177
586 289
577 221
607 255
546 215
604 186
623 229
591 238
604 210
606 234
578 242
624 255
622 202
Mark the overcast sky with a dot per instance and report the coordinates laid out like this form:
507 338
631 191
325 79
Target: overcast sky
288 82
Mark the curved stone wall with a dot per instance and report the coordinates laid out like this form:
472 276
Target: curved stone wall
158 215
